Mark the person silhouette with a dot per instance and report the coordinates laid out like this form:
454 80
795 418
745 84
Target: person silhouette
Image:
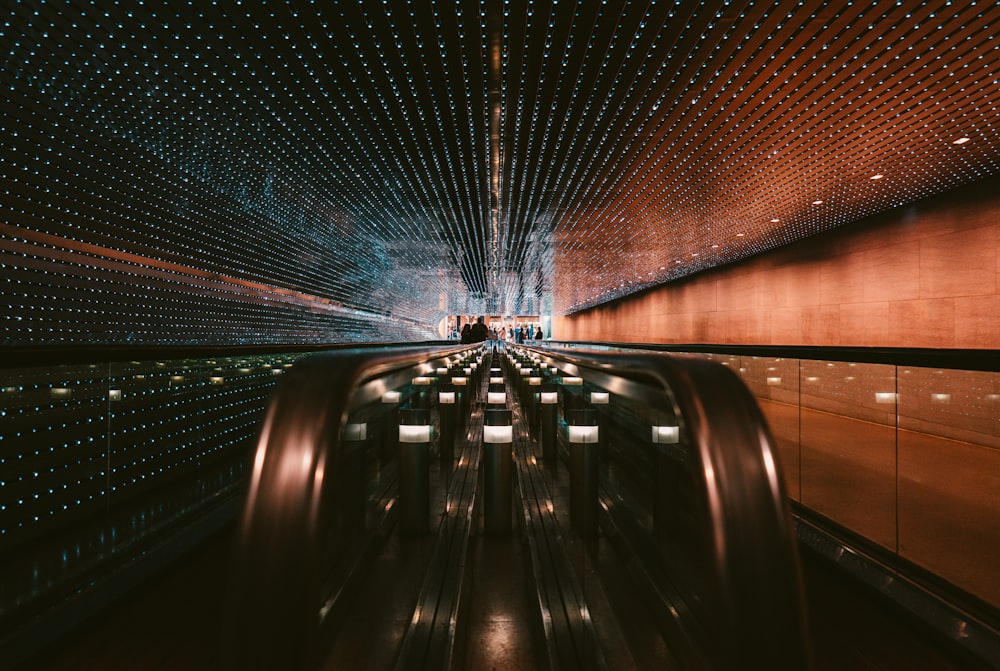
479 332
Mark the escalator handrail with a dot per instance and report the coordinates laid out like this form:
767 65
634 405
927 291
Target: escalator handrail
274 619
758 603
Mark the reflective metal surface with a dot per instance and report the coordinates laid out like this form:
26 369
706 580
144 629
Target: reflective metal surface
298 536
178 172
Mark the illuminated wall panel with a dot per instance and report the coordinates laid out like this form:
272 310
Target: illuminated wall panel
96 460
927 276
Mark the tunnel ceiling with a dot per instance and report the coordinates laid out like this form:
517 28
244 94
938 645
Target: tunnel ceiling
406 160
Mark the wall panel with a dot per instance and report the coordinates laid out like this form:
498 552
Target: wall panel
921 276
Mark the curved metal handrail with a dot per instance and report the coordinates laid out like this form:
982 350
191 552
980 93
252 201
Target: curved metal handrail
277 618
755 599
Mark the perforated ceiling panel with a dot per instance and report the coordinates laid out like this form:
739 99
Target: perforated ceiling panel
320 171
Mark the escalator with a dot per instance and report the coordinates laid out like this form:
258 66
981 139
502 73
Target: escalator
712 549
350 581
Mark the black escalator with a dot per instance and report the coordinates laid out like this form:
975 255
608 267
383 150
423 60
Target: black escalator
463 575
712 551
549 594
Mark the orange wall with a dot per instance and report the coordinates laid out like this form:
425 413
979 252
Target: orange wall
926 275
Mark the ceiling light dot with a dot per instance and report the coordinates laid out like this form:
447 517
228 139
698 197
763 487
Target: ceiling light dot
961 140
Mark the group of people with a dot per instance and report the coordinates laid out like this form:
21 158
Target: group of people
477 332
480 332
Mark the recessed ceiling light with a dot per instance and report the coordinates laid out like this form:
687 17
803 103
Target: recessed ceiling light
715 246
774 221
817 202
739 235
961 140
878 176
694 253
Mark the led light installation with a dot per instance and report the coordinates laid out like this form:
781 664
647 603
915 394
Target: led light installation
709 129
178 172
116 452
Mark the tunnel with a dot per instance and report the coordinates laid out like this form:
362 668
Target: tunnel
534 334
